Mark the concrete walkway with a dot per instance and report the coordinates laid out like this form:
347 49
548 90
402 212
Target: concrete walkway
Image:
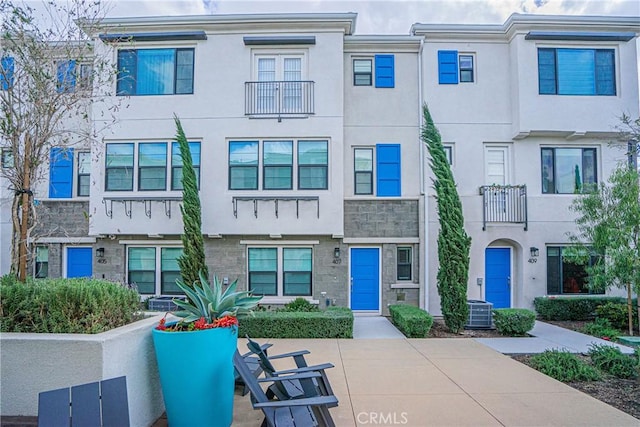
437 382
374 327
548 337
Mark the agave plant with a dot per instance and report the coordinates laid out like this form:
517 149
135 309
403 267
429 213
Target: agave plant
211 303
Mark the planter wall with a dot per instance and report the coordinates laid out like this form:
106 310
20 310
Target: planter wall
32 363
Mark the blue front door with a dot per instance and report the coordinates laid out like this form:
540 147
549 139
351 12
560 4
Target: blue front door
497 271
365 279
79 262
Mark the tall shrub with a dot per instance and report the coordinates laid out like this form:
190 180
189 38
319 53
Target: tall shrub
453 242
192 260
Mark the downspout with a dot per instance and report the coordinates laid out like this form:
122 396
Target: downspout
423 192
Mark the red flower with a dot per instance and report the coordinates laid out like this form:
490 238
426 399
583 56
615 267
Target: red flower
161 326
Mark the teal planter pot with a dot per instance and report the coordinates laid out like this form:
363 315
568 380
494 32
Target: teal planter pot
196 374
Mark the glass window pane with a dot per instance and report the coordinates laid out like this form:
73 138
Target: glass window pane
145 281
169 259
312 177
466 62
194 148
152 179
362 65
292 69
298 283
548 181
119 179
119 155
263 259
263 283
313 153
152 154
266 69
243 153
168 283
278 152
364 183
84 162
576 71
363 159
277 178
466 76
84 185
156 71
142 259
568 170
589 178
605 72
244 178
298 259
362 80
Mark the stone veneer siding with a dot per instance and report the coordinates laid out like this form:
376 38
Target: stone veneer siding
381 218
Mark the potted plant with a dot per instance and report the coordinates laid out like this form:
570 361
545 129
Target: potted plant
195 354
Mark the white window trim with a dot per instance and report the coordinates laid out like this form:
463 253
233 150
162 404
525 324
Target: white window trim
158 245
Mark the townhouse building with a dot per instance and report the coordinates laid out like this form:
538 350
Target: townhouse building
312 177
527 110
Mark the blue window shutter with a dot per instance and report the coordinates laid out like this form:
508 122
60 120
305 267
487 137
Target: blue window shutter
448 67
385 74
388 170
547 72
66 76
6 72
61 173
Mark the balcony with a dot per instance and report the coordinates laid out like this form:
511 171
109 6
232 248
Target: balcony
278 98
504 204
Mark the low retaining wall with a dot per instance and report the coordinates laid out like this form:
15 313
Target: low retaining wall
31 363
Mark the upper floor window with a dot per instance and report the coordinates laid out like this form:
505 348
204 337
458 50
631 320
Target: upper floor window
363 74
71 75
568 170
67 166
276 165
7 69
448 152
7 158
455 67
152 166
387 171
84 174
155 71
154 270
280 271
274 97
565 275
576 71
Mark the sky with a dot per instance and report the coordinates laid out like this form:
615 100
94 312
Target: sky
384 16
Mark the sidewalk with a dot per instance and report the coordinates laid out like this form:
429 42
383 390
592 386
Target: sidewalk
438 382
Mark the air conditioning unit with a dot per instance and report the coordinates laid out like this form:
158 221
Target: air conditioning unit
480 316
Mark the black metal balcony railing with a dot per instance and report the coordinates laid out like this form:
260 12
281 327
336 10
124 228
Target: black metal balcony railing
278 98
504 203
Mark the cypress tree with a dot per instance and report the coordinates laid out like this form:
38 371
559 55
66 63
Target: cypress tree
453 242
192 260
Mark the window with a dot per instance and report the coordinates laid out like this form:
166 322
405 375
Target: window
243 165
155 71
154 270
273 97
6 72
60 173
466 68
119 167
71 75
404 260
454 68
385 74
576 71
313 161
277 165
176 164
568 170
152 166
84 174
448 152
41 265
280 271
7 158
565 275
363 166
362 72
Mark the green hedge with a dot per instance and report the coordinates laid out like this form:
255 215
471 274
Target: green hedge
412 321
571 308
65 305
334 322
514 321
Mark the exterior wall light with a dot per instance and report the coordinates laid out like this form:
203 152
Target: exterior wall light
336 253
534 252
100 252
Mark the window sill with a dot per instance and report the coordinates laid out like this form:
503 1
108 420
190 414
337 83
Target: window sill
285 300
405 286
